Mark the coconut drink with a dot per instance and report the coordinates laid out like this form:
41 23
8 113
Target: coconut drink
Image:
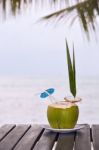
64 115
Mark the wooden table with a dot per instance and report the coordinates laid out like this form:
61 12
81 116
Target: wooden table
34 137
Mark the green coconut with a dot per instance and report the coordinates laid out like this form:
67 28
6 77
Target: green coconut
62 115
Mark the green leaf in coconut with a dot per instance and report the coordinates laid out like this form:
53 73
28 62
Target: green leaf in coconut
63 115
71 71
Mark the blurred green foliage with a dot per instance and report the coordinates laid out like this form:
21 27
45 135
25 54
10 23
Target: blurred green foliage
85 11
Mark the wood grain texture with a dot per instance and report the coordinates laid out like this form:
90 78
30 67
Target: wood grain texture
82 140
34 137
95 136
9 142
30 138
65 141
46 141
5 129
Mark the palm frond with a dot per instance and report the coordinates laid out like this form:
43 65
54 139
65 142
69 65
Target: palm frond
85 11
13 5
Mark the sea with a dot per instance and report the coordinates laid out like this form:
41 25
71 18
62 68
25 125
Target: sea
20 100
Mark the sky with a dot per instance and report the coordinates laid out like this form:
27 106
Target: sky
37 49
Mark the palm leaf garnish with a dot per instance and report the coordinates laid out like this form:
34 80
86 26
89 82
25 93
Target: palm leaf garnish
71 71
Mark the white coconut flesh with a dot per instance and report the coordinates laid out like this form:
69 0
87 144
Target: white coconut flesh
62 105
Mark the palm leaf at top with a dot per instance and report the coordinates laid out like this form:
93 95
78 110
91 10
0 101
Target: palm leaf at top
85 11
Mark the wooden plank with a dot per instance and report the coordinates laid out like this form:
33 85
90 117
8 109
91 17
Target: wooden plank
65 141
95 136
46 141
82 140
30 138
5 129
9 142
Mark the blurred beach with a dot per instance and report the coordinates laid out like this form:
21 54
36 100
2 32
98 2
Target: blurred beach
20 101
31 48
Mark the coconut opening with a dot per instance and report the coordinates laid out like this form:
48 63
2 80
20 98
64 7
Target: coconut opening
62 105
